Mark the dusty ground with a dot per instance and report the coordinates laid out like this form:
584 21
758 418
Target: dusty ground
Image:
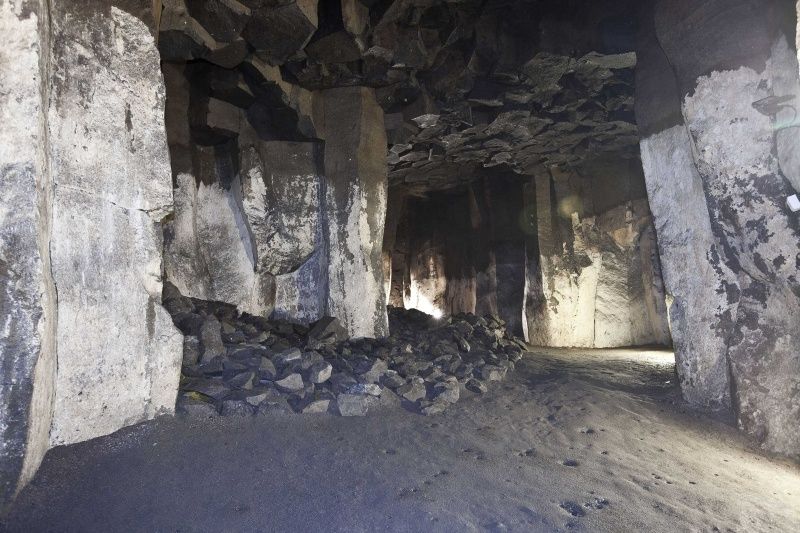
587 441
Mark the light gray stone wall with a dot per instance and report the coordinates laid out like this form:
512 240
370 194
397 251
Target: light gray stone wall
27 297
118 352
86 185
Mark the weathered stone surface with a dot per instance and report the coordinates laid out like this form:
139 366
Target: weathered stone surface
27 293
730 149
281 199
354 404
209 251
211 339
280 29
685 237
236 408
112 189
412 391
320 372
191 350
291 383
599 268
476 386
355 168
213 121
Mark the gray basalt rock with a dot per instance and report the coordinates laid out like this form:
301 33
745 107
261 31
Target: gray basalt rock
191 350
236 408
354 404
106 241
281 29
320 372
412 391
211 339
27 346
326 331
355 167
291 383
734 315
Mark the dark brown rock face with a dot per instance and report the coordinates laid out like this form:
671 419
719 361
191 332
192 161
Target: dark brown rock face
721 160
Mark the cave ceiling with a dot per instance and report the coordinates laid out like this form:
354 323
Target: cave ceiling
465 85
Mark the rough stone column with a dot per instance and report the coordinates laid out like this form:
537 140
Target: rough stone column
535 302
699 295
508 244
459 268
355 207
729 58
482 252
27 295
118 353
394 212
427 257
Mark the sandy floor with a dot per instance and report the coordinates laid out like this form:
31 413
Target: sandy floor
587 441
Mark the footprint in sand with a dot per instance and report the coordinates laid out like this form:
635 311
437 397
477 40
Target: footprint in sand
527 453
570 462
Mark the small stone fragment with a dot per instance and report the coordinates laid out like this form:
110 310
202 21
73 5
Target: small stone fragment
435 407
197 409
369 389
320 372
287 357
244 381
267 370
275 406
353 404
191 350
237 408
211 339
447 391
493 373
412 391
476 386
291 383
393 380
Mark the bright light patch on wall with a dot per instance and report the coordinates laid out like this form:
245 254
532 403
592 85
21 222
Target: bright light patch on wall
421 303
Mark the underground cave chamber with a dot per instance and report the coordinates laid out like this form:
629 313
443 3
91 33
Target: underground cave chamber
589 175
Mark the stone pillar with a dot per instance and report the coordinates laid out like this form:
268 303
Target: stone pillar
459 269
710 157
86 185
534 302
118 353
355 207
394 212
508 245
27 293
482 253
427 259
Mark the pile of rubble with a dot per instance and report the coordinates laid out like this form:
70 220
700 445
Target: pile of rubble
241 365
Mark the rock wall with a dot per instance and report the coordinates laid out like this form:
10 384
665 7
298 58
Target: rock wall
296 219
27 297
459 256
86 186
600 279
718 151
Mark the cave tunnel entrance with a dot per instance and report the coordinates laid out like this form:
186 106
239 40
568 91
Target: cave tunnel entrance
515 187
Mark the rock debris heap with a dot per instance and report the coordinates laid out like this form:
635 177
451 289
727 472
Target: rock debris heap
240 365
